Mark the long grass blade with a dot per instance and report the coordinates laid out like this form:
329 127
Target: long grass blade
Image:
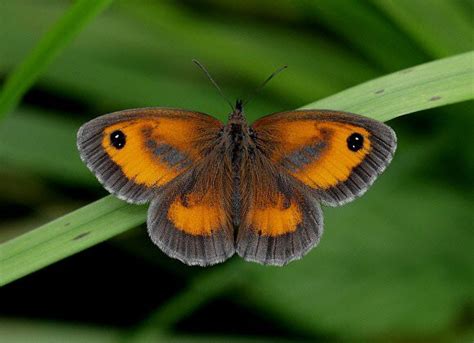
49 47
425 86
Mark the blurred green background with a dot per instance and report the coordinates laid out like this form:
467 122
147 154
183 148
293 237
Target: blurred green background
394 266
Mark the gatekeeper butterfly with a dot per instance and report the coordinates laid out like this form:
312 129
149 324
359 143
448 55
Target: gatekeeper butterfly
217 189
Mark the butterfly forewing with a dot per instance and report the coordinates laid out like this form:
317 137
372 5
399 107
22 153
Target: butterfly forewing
337 155
135 152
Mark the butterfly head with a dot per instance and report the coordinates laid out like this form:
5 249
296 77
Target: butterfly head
237 113
239 105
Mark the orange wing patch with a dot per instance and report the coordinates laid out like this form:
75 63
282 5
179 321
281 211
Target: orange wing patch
275 218
155 150
335 161
315 151
280 224
196 214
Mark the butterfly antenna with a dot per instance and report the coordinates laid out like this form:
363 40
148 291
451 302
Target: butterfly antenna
213 82
256 91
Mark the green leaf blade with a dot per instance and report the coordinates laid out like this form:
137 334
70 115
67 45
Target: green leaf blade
67 235
49 47
429 85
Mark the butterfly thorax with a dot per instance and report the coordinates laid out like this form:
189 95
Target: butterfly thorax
237 132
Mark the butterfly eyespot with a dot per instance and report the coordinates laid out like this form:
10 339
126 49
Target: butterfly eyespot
355 142
117 139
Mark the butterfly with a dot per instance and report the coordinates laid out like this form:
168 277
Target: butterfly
218 189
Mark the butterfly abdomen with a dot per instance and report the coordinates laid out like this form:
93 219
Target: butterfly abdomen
235 139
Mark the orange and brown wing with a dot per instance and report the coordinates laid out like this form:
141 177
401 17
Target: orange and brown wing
190 220
280 221
338 155
134 152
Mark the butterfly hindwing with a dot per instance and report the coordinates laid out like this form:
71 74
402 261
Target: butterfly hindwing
338 155
280 219
135 152
191 219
